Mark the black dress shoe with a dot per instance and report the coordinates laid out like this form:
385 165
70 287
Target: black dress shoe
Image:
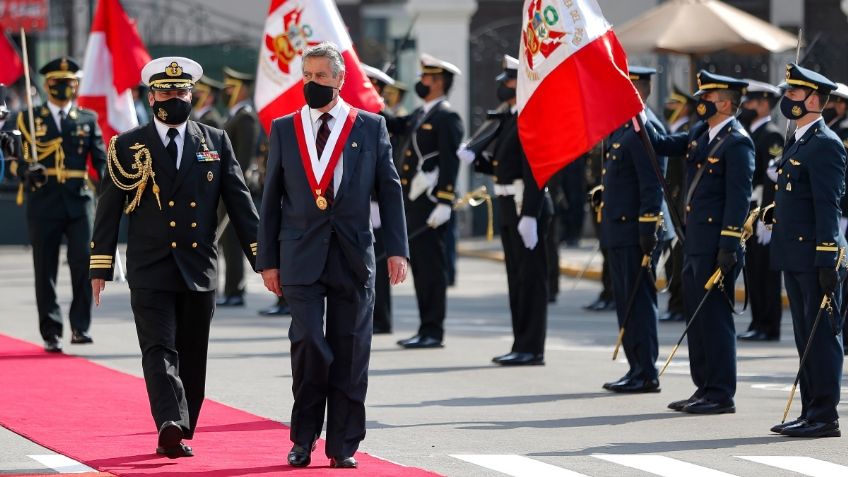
813 429
673 316
175 452
679 405
81 337
706 406
343 462
634 386
520 359
53 344
275 310
170 435
232 300
600 305
417 342
756 335
301 456
620 380
778 428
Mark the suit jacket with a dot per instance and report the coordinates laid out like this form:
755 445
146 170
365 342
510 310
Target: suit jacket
294 234
810 184
173 248
768 145
212 118
80 137
243 130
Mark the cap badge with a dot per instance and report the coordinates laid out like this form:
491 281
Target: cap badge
64 64
174 70
702 108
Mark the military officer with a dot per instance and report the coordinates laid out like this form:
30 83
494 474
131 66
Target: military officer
631 213
839 124
430 137
719 169
806 246
204 97
679 114
242 127
168 177
764 287
524 217
60 198
594 166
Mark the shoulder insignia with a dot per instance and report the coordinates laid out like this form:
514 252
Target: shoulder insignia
137 146
45 112
794 162
73 114
775 150
713 160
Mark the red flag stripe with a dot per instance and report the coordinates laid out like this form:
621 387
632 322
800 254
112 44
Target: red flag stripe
128 52
13 66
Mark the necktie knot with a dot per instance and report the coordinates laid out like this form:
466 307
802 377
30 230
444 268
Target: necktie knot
326 117
172 133
62 113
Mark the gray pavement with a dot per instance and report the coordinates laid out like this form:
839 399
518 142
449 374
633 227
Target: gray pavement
427 407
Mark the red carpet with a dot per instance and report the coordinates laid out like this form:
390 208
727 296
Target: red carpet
100 417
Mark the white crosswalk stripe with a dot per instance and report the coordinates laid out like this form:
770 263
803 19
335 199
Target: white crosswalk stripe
61 464
518 466
662 466
802 465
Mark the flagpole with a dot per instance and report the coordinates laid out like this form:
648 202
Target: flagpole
33 152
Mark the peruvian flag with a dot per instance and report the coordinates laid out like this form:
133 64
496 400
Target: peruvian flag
293 26
573 86
13 66
113 61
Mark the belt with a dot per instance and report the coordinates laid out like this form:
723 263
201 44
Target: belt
505 189
67 173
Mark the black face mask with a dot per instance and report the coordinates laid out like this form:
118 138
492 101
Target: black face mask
706 109
793 109
61 90
173 111
505 93
746 117
829 115
422 90
317 95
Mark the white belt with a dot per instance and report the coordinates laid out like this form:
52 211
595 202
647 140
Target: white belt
505 189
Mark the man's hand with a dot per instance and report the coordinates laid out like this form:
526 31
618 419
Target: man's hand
397 270
271 277
439 216
97 286
527 229
465 155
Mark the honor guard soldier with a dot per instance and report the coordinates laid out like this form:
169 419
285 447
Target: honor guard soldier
204 97
168 177
719 169
525 213
242 127
764 288
430 137
60 198
807 247
679 115
839 124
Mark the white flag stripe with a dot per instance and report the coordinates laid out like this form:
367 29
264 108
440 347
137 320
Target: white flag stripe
662 466
98 80
801 465
62 464
518 466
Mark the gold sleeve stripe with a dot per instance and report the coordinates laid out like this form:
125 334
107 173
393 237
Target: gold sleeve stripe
445 195
730 233
648 218
826 249
99 266
103 257
101 261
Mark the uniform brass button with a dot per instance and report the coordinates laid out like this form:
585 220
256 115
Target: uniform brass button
775 187
780 171
173 244
709 219
254 254
449 187
406 167
403 181
408 153
194 225
623 218
173 224
800 239
193 204
603 171
170 203
194 245
688 208
495 163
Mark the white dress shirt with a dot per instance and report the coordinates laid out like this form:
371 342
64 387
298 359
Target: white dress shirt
338 113
714 131
429 104
54 111
802 130
163 128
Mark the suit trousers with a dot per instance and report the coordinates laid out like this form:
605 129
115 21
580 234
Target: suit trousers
763 289
173 333
712 337
382 287
640 337
234 278
822 374
330 370
46 238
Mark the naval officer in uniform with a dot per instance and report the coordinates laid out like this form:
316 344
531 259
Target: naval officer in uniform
168 177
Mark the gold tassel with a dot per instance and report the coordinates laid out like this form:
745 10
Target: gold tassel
20 197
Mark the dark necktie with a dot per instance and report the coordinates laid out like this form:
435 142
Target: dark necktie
172 144
320 142
791 141
61 118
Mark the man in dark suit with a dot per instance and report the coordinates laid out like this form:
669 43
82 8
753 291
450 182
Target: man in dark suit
719 169
430 138
837 121
525 213
60 198
806 246
204 97
168 177
316 248
242 127
764 286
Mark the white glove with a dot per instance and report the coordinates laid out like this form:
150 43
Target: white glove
375 215
465 155
439 215
763 233
528 231
422 182
843 223
771 171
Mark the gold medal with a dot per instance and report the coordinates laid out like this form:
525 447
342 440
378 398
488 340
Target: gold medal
321 202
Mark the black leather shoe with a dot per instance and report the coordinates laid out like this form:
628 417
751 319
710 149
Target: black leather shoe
81 337
673 316
778 428
420 342
705 406
343 463
620 380
170 435
679 405
232 300
301 456
175 452
53 344
813 429
634 386
756 335
275 310
600 305
520 359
